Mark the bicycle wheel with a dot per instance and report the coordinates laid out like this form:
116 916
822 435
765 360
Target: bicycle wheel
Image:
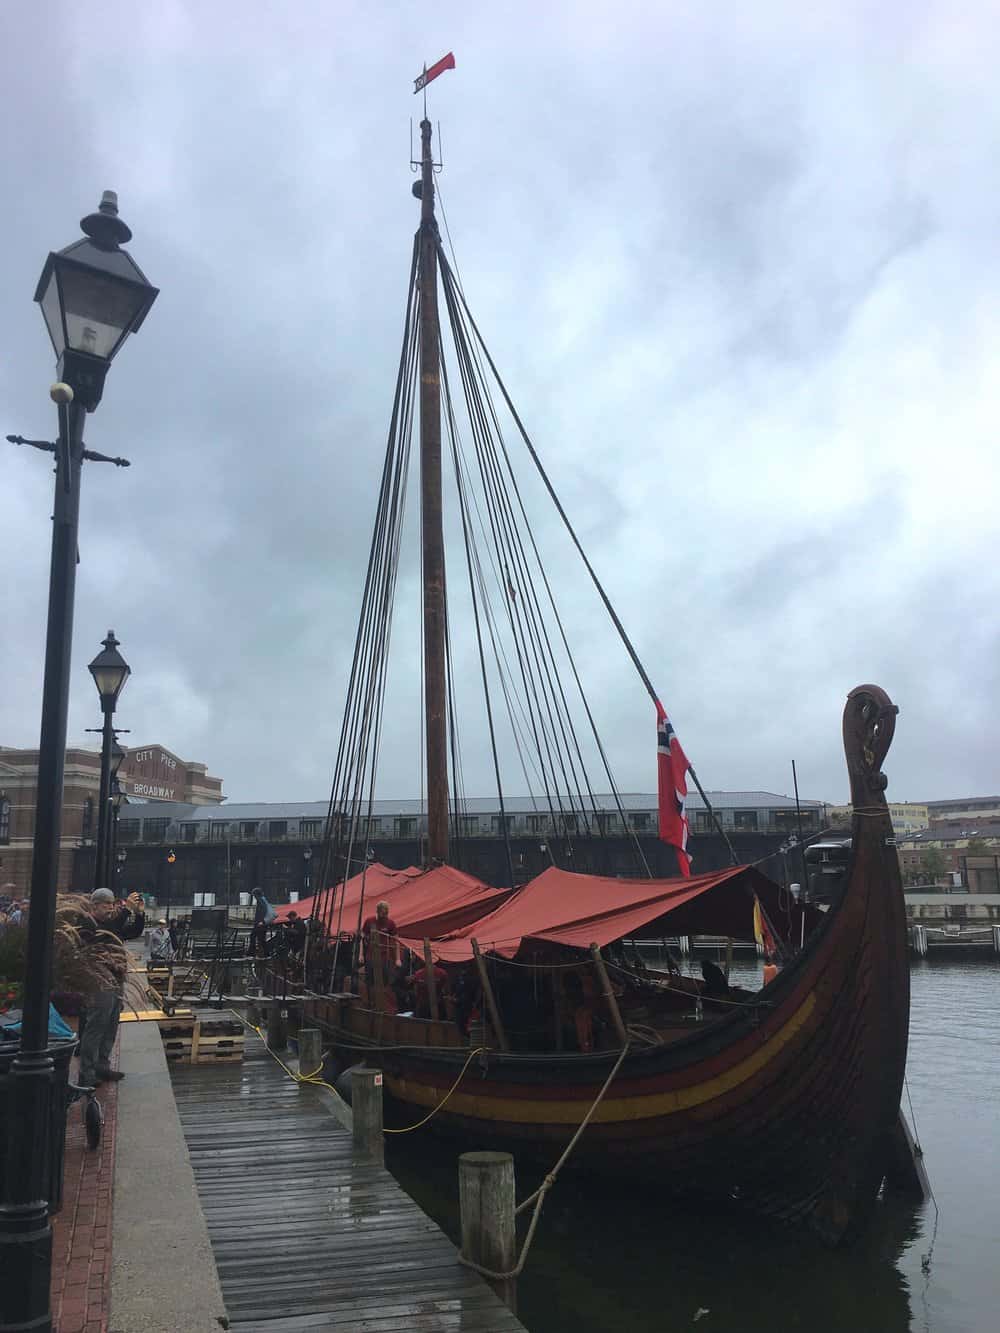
93 1121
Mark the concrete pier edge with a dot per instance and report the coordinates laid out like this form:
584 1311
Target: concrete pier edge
163 1274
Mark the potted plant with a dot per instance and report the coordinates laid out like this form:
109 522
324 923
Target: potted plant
85 960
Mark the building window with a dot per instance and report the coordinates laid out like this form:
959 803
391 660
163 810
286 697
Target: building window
4 820
277 828
87 827
641 821
405 827
154 830
468 825
703 822
538 823
128 830
189 832
745 821
248 830
309 828
499 822
219 830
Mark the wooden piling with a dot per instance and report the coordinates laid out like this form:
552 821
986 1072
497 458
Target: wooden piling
277 1036
609 995
366 1112
486 1204
490 999
729 956
310 1051
432 991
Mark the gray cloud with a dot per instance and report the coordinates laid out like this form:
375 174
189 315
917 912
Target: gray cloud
740 273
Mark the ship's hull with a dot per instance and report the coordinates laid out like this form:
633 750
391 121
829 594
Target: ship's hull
787 1104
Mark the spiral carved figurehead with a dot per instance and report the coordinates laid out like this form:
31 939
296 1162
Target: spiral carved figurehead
869 723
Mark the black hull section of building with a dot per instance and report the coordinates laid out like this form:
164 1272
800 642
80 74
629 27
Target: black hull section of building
285 868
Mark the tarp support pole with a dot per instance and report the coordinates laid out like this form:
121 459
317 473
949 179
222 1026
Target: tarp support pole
609 995
488 996
432 990
378 982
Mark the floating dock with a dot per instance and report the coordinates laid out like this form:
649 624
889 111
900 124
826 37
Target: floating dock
306 1237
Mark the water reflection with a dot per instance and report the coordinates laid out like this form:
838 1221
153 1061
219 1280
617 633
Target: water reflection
608 1259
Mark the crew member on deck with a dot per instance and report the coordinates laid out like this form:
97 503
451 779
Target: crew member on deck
382 926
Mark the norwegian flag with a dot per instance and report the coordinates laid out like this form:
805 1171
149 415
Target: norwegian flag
672 767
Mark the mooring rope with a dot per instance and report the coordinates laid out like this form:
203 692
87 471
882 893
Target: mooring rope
538 1198
478 1051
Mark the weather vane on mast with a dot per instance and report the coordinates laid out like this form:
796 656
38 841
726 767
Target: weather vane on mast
420 84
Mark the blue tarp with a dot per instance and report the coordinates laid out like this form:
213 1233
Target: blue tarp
57 1028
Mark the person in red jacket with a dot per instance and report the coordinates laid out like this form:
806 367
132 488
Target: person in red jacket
382 927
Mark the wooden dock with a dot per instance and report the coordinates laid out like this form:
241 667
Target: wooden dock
304 1237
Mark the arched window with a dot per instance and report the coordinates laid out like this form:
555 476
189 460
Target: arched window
4 819
87 831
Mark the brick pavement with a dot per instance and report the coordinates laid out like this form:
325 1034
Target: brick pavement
81 1232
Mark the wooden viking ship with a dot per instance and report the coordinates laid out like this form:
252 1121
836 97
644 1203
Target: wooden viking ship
784 1101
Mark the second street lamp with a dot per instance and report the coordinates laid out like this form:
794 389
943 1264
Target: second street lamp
110 672
114 810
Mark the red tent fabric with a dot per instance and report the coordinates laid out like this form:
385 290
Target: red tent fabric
375 882
430 902
566 908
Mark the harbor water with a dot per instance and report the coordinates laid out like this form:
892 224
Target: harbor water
608 1259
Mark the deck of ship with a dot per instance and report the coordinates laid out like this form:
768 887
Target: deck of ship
304 1236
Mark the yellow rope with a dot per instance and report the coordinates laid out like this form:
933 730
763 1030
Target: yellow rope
441 1103
321 1083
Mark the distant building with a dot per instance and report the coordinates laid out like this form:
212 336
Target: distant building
231 849
964 809
907 816
149 773
953 856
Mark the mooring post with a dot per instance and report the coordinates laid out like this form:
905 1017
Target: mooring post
486 1204
310 1051
920 941
996 939
277 1038
366 1111
684 941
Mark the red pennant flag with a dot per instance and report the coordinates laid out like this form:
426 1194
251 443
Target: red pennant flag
446 62
672 767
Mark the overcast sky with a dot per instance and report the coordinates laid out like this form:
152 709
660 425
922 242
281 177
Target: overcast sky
738 266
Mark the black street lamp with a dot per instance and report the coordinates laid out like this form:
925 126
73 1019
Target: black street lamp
92 296
110 672
307 856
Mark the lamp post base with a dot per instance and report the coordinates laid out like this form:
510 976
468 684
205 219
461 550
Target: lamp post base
25 1233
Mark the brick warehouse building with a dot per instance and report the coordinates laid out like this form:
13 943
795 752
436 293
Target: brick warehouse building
150 773
178 850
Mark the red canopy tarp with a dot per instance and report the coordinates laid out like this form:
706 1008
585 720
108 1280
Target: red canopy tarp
566 908
429 902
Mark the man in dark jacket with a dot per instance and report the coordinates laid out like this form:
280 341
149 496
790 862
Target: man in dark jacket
125 921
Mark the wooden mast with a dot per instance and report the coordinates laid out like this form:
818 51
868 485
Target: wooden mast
431 520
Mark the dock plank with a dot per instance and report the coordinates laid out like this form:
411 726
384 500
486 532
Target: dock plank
304 1237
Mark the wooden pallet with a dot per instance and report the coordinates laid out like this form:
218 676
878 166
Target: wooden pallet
200 1042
